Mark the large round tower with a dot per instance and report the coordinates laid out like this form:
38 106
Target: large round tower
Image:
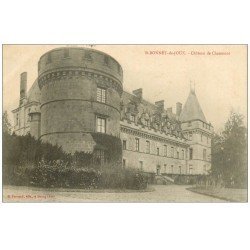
81 91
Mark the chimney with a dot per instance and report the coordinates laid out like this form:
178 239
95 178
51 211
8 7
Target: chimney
160 105
138 93
178 108
170 110
23 85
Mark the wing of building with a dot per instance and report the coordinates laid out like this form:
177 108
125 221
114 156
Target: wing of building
78 98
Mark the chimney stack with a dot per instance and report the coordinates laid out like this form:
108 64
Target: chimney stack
23 85
170 110
160 105
138 93
178 108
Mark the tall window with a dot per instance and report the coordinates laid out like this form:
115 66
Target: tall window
148 147
201 137
182 154
190 153
137 145
99 157
124 163
101 125
124 144
132 118
179 169
158 151
178 154
101 95
204 154
147 123
172 152
165 150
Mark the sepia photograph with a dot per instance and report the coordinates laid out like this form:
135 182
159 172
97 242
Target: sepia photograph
124 123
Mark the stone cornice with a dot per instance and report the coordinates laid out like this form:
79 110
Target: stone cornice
65 74
147 135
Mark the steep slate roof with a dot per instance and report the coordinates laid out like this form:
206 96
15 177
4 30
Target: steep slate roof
34 93
192 109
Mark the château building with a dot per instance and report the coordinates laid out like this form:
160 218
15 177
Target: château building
78 96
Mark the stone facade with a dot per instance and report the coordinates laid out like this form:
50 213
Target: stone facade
79 92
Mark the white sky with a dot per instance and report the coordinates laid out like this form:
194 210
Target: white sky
221 81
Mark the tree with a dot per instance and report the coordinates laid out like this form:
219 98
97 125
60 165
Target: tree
6 123
229 152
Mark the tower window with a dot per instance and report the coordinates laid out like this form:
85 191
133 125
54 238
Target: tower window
101 125
172 152
165 150
182 154
101 95
124 144
137 144
190 153
132 118
148 147
158 151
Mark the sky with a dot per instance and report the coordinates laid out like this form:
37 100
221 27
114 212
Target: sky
220 80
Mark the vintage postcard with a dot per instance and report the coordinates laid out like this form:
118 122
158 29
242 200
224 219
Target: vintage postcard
124 123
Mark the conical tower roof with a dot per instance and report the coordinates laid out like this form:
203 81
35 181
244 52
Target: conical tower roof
192 109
